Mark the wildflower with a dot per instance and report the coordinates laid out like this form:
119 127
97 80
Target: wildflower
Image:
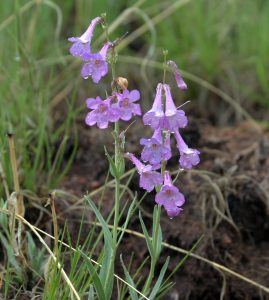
169 197
180 82
188 157
174 118
101 113
148 178
97 66
155 150
126 106
82 44
155 116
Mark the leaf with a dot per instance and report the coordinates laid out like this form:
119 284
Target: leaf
159 242
91 293
95 278
106 278
129 214
106 257
106 231
112 167
129 279
11 255
158 283
148 239
164 290
156 232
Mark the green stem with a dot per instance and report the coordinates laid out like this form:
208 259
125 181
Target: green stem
155 258
165 52
117 185
150 277
117 180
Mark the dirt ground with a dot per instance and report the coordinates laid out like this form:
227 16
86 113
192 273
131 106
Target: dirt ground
226 200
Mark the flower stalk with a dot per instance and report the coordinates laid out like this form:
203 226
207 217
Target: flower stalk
165 118
117 183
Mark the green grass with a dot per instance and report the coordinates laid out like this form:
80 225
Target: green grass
27 90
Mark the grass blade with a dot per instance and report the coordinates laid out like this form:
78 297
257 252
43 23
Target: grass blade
95 278
157 285
129 279
148 239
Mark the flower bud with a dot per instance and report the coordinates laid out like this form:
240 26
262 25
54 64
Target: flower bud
122 83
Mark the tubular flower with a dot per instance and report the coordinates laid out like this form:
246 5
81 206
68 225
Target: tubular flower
155 116
155 150
101 114
82 44
169 197
126 105
97 66
188 157
148 178
174 118
180 82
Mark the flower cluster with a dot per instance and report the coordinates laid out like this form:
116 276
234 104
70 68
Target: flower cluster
166 119
119 106
96 65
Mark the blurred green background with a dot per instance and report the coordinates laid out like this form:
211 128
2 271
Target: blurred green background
223 44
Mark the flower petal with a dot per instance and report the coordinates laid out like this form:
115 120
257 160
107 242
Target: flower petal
86 70
93 103
134 95
91 118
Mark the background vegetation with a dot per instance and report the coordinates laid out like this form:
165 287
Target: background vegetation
223 42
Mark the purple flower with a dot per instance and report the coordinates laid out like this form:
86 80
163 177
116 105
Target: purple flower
155 116
170 197
155 150
188 157
180 82
82 44
97 66
174 118
101 113
148 178
126 106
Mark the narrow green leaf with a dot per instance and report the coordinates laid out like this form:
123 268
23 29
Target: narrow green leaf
159 242
91 293
11 256
129 214
148 239
106 278
158 283
106 231
156 232
106 257
112 166
95 278
164 290
129 279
